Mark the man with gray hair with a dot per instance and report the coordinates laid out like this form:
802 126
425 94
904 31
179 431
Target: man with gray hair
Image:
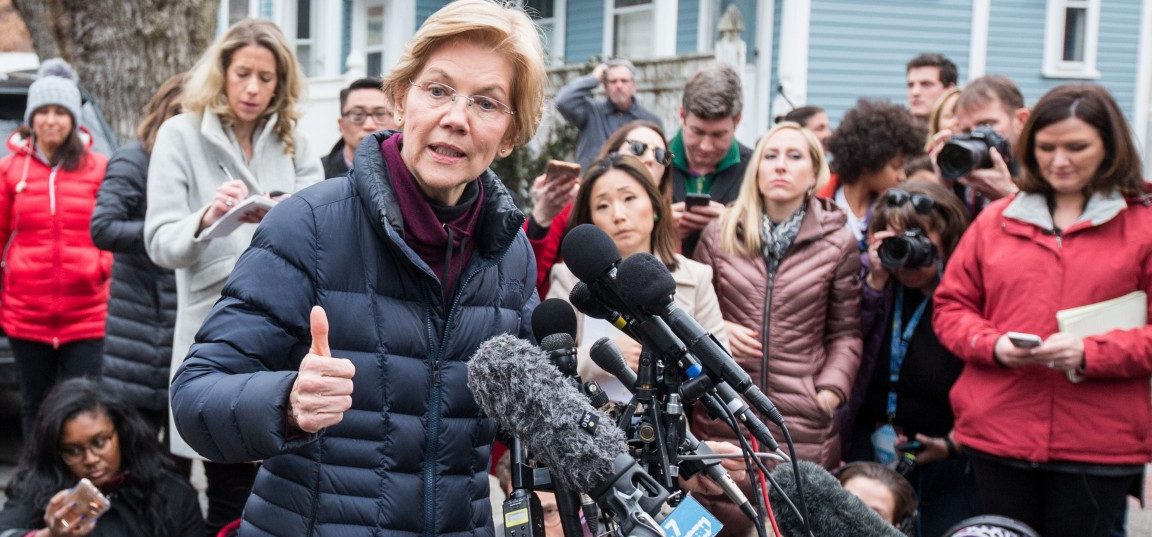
708 162
598 119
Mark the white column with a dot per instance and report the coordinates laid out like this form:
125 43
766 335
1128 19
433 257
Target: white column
1142 108
796 18
765 18
665 28
978 42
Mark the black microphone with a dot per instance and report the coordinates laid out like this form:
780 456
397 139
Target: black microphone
645 281
831 509
553 316
516 385
592 257
608 356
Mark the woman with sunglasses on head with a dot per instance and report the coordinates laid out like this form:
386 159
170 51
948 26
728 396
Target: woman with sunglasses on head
551 203
787 276
901 392
85 431
338 353
1058 431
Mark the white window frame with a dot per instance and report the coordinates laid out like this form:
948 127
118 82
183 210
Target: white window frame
222 23
663 27
1054 64
559 22
291 17
399 27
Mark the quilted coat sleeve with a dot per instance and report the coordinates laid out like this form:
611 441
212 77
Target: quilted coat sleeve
121 195
842 326
171 224
230 396
6 198
958 317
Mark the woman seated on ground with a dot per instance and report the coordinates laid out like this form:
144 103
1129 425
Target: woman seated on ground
619 196
83 431
552 201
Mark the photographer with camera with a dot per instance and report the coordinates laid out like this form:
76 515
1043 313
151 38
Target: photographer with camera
990 114
1056 428
901 391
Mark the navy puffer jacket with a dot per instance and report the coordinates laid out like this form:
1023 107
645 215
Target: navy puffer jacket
142 308
411 455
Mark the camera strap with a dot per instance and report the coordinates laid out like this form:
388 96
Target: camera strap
898 346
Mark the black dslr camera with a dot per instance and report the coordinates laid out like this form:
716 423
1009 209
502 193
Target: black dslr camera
910 249
966 152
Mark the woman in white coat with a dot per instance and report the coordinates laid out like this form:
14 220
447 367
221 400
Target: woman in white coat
237 137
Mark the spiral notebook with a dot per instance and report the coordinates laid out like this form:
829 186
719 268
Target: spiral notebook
231 219
1122 313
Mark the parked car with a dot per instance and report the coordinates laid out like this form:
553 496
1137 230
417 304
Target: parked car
13 99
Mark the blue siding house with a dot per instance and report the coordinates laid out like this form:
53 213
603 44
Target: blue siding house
822 52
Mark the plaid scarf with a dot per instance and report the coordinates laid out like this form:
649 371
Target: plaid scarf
778 238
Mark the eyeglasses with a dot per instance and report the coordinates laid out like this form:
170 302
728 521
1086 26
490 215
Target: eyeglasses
359 116
99 446
437 95
896 197
663 156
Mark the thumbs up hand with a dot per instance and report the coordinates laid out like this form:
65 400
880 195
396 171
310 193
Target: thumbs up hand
323 388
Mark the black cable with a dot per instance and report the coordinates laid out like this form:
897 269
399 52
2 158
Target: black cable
799 481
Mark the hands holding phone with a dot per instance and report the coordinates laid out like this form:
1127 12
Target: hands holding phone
553 190
1061 350
73 512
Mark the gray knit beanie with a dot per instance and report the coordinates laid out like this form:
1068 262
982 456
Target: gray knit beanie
56 84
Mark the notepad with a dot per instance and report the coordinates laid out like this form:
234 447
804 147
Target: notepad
231 219
1122 313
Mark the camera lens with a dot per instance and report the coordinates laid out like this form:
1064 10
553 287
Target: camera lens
960 156
911 249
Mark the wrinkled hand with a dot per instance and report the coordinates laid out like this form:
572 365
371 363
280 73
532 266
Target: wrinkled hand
692 219
877 275
228 194
1061 351
55 515
744 342
323 388
549 198
828 401
995 182
598 71
700 483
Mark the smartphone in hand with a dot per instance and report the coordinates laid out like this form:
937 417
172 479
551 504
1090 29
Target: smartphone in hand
1024 341
561 171
697 200
83 502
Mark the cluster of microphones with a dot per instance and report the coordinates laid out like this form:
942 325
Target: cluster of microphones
620 466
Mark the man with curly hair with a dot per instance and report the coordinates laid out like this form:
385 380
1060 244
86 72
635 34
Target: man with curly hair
871 144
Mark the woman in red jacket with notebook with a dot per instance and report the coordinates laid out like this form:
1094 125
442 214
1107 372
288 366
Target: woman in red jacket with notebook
1056 454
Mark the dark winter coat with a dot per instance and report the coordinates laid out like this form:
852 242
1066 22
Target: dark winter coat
411 455
182 514
142 308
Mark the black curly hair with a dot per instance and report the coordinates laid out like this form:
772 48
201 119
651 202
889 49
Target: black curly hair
870 135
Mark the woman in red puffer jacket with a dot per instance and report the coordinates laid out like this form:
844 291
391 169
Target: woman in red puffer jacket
55 292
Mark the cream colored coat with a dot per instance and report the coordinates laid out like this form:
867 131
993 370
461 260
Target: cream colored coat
182 179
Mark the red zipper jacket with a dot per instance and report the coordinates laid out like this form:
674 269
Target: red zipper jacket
1012 272
55 280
